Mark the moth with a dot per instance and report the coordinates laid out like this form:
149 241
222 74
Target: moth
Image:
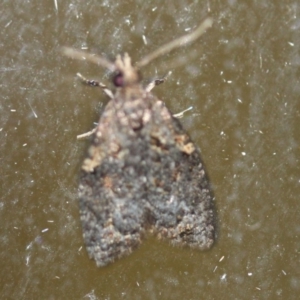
142 172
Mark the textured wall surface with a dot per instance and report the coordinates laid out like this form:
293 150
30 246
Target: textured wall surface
242 79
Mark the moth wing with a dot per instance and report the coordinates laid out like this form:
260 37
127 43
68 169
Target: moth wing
179 195
112 192
143 172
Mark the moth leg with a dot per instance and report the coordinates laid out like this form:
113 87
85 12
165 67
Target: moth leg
86 134
156 82
180 114
107 91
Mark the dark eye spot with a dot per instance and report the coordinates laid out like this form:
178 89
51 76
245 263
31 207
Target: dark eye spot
118 80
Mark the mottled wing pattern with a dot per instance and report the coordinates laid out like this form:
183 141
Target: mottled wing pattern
179 192
142 173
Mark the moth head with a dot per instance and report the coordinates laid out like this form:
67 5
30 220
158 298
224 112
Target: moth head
125 74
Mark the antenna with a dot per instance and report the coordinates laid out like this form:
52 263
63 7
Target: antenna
81 55
179 42
186 39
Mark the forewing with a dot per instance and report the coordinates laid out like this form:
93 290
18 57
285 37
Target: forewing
112 190
179 194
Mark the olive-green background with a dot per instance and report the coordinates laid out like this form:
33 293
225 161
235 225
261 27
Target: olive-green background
244 87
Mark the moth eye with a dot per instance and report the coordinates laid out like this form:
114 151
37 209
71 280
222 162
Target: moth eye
118 80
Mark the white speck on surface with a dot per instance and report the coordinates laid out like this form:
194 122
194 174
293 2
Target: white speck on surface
27 260
243 153
260 61
29 246
13 110
291 44
187 29
7 24
224 41
239 100
84 45
223 277
208 7
55 4
154 8
250 274
221 258
229 81
283 272
35 115
144 39
24 145
45 230
91 295
50 221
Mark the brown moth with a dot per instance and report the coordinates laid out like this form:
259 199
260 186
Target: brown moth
142 172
